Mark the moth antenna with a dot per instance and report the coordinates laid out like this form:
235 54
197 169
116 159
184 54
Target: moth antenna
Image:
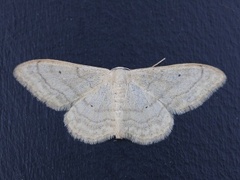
159 62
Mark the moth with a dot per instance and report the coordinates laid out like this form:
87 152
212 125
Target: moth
136 104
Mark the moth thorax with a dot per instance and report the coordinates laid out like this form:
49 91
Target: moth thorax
119 84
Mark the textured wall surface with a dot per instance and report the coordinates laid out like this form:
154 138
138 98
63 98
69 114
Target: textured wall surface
204 143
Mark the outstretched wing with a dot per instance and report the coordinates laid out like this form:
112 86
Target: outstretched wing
180 87
57 83
91 119
145 119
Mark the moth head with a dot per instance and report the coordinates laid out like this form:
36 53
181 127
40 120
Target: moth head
118 68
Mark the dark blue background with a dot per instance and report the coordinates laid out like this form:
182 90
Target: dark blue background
204 143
